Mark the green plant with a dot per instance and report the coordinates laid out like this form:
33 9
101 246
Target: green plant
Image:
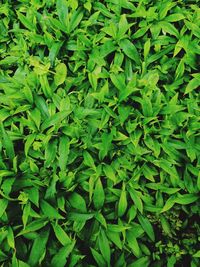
99 133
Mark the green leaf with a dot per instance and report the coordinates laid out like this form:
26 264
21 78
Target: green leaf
60 258
192 85
198 182
171 261
41 105
14 261
135 196
8 60
40 242
62 10
133 244
147 47
33 226
123 27
115 238
109 172
54 50
50 153
98 258
104 246
61 234
7 143
146 225
46 86
175 17
64 149
61 74
55 119
4 114
118 228
80 217
180 69
159 55
105 145
88 160
100 218
3 206
76 19
23 264
143 261
186 199
164 9
118 81
77 202
99 195
165 225
25 21
29 141
171 170
122 206
197 254
50 211
169 28
193 27
26 213
33 195
130 50
10 238
169 204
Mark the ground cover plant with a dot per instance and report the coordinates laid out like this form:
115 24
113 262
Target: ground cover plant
99 133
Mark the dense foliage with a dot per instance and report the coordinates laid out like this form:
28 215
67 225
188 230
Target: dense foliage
99 133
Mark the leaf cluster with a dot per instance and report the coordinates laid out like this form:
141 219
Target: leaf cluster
99 133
